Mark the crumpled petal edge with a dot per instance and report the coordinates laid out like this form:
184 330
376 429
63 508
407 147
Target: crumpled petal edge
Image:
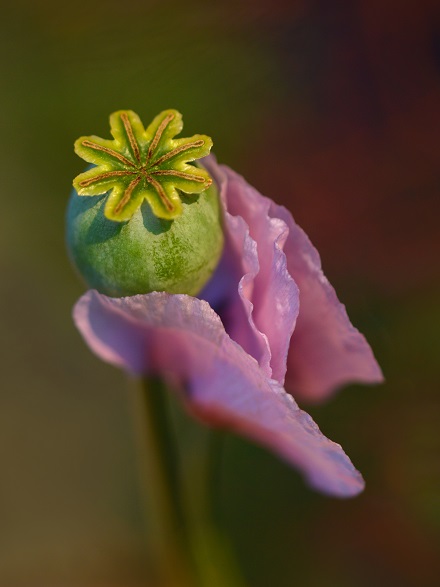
183 339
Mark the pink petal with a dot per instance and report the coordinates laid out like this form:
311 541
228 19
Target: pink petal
238 269
326 351
267 292
183 339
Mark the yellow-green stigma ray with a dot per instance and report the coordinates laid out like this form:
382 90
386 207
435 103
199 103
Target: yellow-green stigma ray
128 161
87 182
153 145
161 193
127 194
131 137
178 150
108 151
183 175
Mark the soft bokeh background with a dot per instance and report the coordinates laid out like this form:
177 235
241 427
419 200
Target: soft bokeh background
331 107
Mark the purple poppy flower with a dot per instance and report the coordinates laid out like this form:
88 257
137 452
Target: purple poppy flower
268 314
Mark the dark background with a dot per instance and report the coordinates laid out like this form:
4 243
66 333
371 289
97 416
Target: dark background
330 107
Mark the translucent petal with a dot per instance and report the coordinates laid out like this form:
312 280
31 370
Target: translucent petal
182 339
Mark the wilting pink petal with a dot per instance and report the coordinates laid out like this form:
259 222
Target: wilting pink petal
181 338
268 292
326 351
238 269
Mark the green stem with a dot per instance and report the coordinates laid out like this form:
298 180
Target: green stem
215 561
213 471
188 548
162 487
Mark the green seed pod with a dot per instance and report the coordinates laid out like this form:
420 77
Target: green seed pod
122 245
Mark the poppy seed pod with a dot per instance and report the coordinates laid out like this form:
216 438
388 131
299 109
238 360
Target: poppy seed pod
153 222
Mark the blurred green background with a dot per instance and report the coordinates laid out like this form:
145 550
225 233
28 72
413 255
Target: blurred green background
349 94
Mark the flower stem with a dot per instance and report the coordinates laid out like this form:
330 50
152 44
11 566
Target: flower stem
215 561
189 550
162 486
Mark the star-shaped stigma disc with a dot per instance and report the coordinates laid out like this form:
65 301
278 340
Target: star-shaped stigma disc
141 164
